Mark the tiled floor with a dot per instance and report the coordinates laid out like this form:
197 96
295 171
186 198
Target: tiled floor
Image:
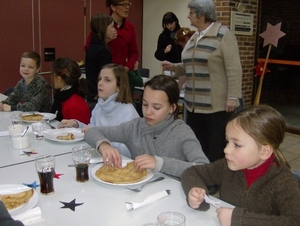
290 148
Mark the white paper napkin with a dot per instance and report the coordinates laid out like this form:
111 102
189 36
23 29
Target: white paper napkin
30 217
212 202
150 199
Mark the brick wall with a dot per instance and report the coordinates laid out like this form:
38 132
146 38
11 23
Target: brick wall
247 44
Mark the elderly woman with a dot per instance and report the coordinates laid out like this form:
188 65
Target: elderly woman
213 77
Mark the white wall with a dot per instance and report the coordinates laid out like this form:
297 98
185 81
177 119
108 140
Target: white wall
152 17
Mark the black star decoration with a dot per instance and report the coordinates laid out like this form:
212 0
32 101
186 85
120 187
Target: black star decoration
71 205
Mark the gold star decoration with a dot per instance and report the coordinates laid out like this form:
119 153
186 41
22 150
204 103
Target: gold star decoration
272 34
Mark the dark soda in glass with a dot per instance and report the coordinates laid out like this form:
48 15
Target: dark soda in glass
46 181
82 173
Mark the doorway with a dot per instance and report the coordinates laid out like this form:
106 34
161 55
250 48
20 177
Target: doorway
281 86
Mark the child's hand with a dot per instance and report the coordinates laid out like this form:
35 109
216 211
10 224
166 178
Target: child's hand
67 123
168 48
224 215
111 155
1 107
196 197
85 129
144 162
6 107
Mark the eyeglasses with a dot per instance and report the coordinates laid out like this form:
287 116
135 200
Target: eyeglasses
124 4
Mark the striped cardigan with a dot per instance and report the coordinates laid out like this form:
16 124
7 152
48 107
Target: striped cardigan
213 70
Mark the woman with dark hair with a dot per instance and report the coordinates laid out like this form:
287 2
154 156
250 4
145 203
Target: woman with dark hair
160 141
97 53
69 102
166 47
123 48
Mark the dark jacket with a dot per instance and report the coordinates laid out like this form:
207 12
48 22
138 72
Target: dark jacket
164 39
97 55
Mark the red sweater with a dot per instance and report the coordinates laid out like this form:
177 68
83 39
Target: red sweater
76 108
123 49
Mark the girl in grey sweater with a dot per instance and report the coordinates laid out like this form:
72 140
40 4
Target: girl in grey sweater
159 141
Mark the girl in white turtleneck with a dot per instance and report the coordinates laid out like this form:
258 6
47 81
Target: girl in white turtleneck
114 103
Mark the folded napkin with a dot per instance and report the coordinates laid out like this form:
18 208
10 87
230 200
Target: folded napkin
150 199
30 217
212 202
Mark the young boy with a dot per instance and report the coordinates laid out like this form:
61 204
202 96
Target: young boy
32 92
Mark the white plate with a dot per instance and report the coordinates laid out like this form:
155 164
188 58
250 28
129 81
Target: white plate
27 206
124 162
49 116
53 133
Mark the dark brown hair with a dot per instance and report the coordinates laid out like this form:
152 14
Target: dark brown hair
70 72
169 86
112 2
99 24
168 18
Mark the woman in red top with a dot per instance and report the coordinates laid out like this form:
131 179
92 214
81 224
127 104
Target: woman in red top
69 102
123 49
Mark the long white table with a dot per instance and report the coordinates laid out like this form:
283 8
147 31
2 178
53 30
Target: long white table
103 204
10 156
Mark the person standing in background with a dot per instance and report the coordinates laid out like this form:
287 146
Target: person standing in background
123 49
167 49
213 77
97 54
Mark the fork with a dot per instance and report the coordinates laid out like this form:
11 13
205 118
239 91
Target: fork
138 189
47 121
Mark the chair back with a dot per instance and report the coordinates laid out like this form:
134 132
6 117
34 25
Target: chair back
145 72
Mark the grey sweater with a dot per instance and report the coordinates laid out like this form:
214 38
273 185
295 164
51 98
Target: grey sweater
172 143
35 98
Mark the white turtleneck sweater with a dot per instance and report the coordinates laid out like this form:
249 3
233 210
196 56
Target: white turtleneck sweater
112 113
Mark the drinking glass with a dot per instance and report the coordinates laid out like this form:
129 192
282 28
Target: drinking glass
15 117
45 167
81 156
39 129
170 218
